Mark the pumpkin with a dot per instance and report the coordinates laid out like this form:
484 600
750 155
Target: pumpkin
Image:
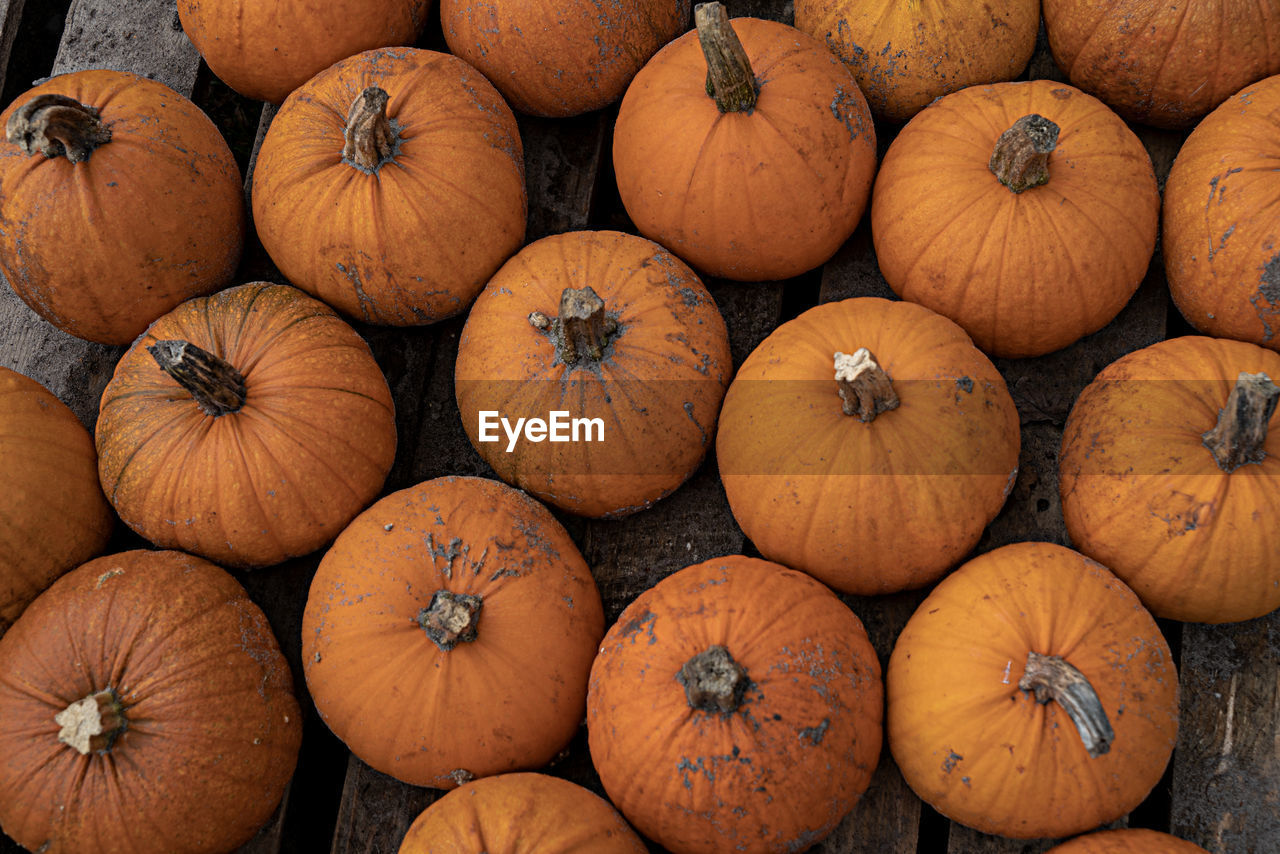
565 58
1164 64
147 710
1025 212
449 631
265 51
1170 466
247 427
1031 695
765 178
120 201
735 706
618 336
51 506
904 55
513 813
391 186
1131 840
1220 232
868 443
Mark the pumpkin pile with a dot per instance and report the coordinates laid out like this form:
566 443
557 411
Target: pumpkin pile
453 634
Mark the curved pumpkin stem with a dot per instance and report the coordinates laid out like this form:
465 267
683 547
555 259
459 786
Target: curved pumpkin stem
92 724
1241 431
1052 678
371 138
713 681
865 388
1021 156
217 387
451 618
730 79
55 126
583 329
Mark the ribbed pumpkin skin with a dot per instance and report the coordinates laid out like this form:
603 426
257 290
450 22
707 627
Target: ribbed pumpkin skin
510 699
52 511
867 507
1163 63
561 58
778 773
904 55
1221 236
1130 840
520 814
658 388
153 217
1142 494
1024 273
213 729
986 754
279 478
751 196
414 241
266 50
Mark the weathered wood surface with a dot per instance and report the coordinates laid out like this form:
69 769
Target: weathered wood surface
10 16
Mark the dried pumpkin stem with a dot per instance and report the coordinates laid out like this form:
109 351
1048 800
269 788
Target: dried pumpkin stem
370 137
56 126
713 681
865 388
730 79
92 724
451 618
217 387
1021 156
1241 431
1052 678
583 329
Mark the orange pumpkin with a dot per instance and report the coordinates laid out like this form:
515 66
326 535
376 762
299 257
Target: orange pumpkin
1025 212
621 338
1032 695
766 178
391 186
735 706
266 50
563 58
147 710
1127 841
868 443
513 813
449 632
1170 466
1221 236
120 201
248 427
904 55
1165 64
51 506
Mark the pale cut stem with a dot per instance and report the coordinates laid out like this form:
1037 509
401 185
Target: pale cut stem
92 724
865 388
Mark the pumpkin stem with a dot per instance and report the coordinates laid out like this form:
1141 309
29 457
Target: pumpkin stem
865 388
1241 431
713 681
730 79
217 387
1021 156
371 138
1052 678
451 618
56 125
583 329
92 724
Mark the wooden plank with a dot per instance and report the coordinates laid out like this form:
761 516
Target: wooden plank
10 16
376 811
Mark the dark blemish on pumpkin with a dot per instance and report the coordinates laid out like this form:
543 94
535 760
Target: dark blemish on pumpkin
965 384
1270 286
109 574
633 626
688 410
777 717
316 658
814 734
1060 94
690 297
950 762
845 107
504 573
965 780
